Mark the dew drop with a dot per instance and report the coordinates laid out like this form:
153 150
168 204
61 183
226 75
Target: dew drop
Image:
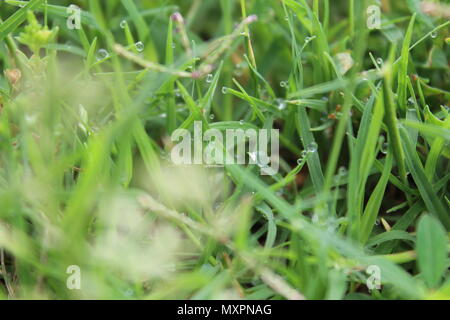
434 34
283 84
123 24
312 147
212 116
139 46
385 148
209 78
102 54
281 104
380 61
224 90
241 122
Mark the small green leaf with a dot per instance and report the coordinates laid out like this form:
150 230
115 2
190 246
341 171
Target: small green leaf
431 250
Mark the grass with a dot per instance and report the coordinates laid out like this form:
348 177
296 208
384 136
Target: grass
86 178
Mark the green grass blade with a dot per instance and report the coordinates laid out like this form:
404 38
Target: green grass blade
403 69
432 202
431 250
17 18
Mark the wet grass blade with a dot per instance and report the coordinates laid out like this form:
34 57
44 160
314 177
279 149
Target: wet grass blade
432 202
403 69
17 18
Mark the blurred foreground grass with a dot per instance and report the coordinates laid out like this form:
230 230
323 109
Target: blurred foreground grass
87 187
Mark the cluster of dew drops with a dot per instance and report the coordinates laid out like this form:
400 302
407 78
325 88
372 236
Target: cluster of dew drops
103 54
310 149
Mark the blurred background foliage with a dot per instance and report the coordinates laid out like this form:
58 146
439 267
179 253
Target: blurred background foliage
85 176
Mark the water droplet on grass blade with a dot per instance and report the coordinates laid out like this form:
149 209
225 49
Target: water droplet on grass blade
312 147
281 104
385 148
102 54
209 78
123 24
139 46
